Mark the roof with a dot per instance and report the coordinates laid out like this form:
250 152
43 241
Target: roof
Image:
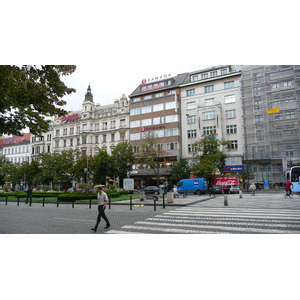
15 140
176 81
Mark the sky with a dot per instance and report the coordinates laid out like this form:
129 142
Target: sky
115 44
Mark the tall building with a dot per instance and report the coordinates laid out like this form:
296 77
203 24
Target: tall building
271 101
155 109
211 106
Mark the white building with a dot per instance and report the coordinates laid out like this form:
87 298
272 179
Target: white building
17 148
211 105
93 128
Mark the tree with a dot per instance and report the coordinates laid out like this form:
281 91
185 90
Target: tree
28 94
29 173
101 167
181 169
151 155
122 158
6 169
210 157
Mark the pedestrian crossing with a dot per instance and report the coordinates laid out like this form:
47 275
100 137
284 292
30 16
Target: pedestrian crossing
199 220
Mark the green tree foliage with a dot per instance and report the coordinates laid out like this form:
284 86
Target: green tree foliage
28 172
181 169
122 158
28 94
101 166
210 158
151 155
6 169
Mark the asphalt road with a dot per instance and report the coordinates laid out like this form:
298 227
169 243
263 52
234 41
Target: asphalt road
263 213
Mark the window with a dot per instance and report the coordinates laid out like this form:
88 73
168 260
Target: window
224 72
234 144
191 105
146 122
204 76
112 137
191 119
209 102
229 99
71 131
190 92
159 95
122 136
172 132
156 121
229 114
209 89
229 85
134 124
287 83
209 115
57 132
192 133
275 85
260 135
146 109
191 148
231 129
147 97
84 127
104 138
195 78
171 118
135 111
158 107
209 130
256 91
258 105
122 123
137 99
104 125
65 131
112 124
83 140
173 92
96 139
259 119
170 105
135 136
214 74
290 115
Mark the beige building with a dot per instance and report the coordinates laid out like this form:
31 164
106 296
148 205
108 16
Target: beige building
211 106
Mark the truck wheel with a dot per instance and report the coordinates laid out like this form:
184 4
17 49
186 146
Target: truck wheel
198 193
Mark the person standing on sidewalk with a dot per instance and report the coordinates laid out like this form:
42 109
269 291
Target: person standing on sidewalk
102 202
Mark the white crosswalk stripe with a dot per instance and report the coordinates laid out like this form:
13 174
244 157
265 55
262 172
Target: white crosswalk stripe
197 219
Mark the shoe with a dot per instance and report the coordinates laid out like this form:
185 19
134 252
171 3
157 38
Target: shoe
94 229
107 225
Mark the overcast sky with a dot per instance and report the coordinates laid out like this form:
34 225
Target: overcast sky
117 44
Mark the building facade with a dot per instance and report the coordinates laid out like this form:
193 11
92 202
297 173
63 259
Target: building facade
155 110
93 128
211 106
271 102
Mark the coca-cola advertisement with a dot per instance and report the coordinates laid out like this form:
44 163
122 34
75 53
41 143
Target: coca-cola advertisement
224 181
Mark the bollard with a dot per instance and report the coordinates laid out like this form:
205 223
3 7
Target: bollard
109 201
164 205
72 202
43 201
154 199
90 205
225 200
57 203
130 202
241 194
30 201
6 200
18 202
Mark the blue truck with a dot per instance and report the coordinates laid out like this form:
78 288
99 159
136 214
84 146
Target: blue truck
193 185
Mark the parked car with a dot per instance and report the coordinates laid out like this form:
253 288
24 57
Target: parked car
151 190
216 189
231 189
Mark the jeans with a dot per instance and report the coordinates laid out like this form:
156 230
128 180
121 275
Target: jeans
101 213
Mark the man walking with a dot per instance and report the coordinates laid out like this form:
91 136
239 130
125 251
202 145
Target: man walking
29 195
102 202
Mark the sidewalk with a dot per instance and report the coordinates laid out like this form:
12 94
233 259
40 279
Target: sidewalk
181 201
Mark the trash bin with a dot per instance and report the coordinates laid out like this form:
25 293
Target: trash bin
170 197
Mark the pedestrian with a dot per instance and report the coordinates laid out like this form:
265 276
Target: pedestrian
252 189
102 202
288 189
29 195
175 191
